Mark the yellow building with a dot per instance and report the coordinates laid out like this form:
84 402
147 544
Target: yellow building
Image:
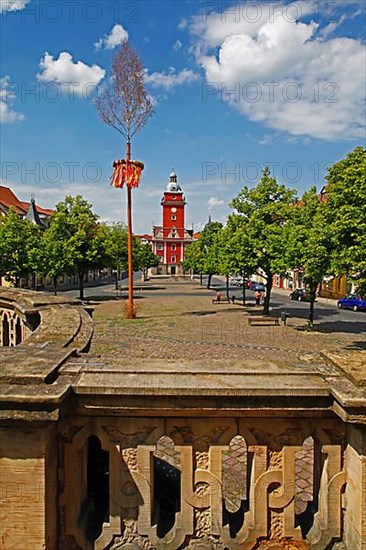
334 287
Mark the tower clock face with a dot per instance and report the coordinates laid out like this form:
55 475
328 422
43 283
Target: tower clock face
173 210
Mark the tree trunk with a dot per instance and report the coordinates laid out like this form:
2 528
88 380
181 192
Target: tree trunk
312 290
227 288
267 297
243 289
54 285
201 280
209 281
81 285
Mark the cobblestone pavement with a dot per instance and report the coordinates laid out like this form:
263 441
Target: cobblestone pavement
179 321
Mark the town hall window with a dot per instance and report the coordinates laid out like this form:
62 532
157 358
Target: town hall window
173 259
174 246
174 217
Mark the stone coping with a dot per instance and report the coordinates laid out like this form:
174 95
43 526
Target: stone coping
24 300
29 373
41 372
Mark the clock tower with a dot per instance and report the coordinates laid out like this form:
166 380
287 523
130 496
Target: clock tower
170 239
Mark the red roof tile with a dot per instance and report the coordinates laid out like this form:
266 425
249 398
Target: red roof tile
8 198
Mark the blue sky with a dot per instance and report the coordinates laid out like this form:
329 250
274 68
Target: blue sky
236 86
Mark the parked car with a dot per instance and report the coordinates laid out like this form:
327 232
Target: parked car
236 281
300 294
352 301
258 287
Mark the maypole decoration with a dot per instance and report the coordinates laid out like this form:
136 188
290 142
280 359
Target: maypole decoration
128 172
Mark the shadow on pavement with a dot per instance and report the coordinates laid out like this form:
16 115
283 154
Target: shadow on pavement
98 298
342 326
103 298
140 288
199 313
357 346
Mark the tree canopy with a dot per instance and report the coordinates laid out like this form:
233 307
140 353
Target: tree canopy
75 231
308 243
345 195
19 243
265 210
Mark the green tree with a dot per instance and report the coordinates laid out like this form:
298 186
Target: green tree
265 209
224 258
345 196
208 238
145 258
75 227
117 246
237 249
19 242
309 243
52 257
194 258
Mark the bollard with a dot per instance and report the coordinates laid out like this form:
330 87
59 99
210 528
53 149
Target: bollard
284 316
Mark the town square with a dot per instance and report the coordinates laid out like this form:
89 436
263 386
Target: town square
183 275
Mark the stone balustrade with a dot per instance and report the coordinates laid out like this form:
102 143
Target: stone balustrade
172 455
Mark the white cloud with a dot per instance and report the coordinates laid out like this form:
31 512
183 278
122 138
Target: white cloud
283 74
183 24
65 72
13 5
110 41
332 26
214 201
7 96
171 78
177 46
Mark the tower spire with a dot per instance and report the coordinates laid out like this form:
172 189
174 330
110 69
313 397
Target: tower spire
173 177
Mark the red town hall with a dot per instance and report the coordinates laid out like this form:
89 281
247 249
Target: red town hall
170 239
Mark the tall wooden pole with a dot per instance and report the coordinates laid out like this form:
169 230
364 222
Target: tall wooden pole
130 312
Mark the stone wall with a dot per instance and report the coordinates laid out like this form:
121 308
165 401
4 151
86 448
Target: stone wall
28 515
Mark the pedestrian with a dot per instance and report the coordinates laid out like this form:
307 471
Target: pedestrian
233 299
257 296
218 297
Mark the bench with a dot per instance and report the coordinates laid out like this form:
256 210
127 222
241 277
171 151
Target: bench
222 301
258 320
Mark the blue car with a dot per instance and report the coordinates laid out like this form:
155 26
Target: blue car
352 301
258 286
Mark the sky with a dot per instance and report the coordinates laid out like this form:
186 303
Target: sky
236 86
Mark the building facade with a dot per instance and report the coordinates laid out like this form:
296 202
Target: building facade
171 238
